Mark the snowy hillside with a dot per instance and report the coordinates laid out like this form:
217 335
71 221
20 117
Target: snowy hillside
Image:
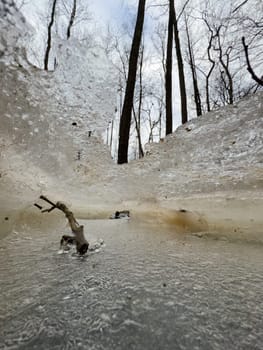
222 150
50 143
48 118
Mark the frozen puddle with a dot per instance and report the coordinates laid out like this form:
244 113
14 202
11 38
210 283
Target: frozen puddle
145 289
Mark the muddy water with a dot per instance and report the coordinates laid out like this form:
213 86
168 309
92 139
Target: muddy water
147 288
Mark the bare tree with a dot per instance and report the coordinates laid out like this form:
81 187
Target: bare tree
184 116
154 124
197 97
125 120
226 79
159 42
212 35
51 22
137 118
73 14
168 71
173 31
118 51
226 76
72 18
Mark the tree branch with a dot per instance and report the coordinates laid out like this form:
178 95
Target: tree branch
249 68
240 5
181 12
82 244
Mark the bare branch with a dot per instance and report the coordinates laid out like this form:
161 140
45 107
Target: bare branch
249 68
240 5
182 11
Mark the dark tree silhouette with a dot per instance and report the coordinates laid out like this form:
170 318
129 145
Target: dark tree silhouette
125 121
184 116
72 18
173 30
168 72
52 18
197 98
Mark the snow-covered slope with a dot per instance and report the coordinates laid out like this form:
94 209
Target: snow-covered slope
222 150
213 165
50 143
48 119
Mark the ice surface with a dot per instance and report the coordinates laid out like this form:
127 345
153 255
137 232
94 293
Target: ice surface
148 289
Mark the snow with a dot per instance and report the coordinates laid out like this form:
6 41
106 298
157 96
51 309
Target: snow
212 166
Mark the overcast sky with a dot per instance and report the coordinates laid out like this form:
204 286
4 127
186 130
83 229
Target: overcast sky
103 10
109 9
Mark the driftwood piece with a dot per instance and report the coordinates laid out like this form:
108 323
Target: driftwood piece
79 239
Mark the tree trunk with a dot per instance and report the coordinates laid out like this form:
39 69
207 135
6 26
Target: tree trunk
225 64
212 36
197 97
72 18
138 131
184 115
125 122
52 18
138 122
168 73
